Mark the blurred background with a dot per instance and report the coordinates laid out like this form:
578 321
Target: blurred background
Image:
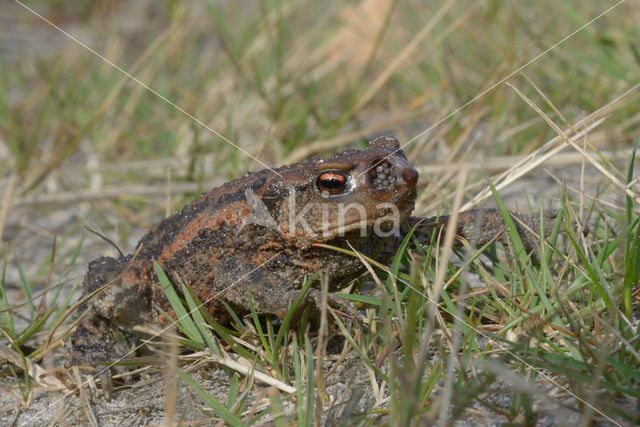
81 143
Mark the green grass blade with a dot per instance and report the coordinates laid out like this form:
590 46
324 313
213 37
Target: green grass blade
6 314
293 308
195 307
261 335
35 326
26 287
632 247
184 321
217 407
310 389
233 390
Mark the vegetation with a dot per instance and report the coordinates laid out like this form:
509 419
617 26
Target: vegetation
479 91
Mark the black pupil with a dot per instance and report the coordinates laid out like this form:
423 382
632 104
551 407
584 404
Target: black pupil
333 183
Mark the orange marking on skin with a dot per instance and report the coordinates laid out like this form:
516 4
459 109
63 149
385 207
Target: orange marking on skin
202 221
129 276
260 258
270 246
288 236
168 318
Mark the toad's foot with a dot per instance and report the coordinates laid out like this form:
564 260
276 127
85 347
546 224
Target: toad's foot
93 348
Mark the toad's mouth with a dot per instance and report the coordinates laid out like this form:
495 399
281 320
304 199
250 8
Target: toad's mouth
384 225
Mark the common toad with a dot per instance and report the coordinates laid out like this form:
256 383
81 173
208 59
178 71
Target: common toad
254 238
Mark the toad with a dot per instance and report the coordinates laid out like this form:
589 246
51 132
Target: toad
253 241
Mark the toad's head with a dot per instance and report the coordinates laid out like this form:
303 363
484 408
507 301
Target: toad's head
355 191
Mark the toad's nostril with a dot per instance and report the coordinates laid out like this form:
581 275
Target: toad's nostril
382 175
410 175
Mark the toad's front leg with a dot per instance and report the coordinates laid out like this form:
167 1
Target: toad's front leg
272 291
93 346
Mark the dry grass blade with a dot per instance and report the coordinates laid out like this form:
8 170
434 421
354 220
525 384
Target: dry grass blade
572 142
321 349
501 163
526 165
244 367
44 378
171 378
435 289
403 56
550 149
85 401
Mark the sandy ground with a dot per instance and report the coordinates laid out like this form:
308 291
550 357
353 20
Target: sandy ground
348 393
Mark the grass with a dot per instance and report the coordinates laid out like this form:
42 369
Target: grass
290 79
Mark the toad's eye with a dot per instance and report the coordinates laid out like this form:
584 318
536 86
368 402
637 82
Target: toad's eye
332 183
